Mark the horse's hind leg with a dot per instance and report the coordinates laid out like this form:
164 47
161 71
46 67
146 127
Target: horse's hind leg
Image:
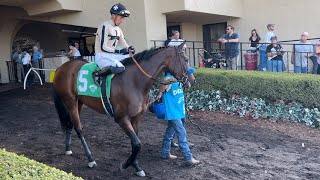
74 113
68 139
126 125
69 133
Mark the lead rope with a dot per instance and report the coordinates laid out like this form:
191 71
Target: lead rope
187 111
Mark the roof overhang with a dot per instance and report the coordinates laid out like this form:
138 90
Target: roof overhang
195 17
45 7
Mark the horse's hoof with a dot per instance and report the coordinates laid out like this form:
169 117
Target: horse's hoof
92 164
68 153
141 173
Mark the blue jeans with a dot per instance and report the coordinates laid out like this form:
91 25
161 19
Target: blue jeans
175 127
275 65
263 58
299 69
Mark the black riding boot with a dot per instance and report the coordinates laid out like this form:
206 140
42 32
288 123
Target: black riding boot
102 72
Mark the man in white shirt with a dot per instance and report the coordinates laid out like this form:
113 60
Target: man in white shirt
269 34
26 61
175 40
263 55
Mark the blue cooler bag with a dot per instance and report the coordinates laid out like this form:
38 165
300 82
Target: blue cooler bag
158 109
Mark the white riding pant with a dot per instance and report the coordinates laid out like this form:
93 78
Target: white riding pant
109 59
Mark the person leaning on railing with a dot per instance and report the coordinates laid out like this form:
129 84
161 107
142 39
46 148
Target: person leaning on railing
301 52
35 60
17 58
317 52
275 55
231 41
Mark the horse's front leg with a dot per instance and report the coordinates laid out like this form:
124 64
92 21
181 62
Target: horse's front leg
127 127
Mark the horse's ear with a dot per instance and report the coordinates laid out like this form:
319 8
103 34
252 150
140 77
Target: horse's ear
182 44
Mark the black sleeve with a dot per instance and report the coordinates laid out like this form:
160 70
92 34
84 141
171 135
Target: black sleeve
269 48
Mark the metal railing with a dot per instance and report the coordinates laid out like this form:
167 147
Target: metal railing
200 52
12 70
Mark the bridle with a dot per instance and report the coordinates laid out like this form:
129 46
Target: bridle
184 78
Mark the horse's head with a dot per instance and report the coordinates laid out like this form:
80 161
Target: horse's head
179 65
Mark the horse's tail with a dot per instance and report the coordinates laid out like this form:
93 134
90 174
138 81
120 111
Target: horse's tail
62 111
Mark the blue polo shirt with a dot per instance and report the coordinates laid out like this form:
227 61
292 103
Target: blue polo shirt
232 49
36 56
16 55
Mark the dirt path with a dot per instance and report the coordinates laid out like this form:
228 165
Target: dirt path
229 148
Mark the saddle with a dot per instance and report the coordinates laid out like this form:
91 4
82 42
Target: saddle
86 86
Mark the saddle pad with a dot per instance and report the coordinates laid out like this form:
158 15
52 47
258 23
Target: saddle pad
85 82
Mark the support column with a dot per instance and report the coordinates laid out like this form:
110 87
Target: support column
7 32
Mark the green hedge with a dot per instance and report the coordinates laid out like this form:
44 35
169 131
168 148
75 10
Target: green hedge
13 166
290 87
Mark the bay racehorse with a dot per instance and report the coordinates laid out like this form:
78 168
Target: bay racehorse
129 95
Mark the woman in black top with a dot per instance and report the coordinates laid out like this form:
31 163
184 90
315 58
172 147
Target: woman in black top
254 39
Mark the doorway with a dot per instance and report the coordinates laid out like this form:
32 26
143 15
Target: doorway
211 34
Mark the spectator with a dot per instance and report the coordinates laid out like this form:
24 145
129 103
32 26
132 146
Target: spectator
36 59
175 39
26 61
168 40
17 58
301 52
173 99
74 53
317 52
77 46
231 41
263 56
254 39
274 53
269 34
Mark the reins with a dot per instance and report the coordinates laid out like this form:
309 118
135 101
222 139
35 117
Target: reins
146 74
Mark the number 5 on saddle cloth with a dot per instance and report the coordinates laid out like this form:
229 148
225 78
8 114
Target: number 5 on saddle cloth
87 87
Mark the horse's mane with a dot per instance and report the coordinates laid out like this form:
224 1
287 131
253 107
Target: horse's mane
143 56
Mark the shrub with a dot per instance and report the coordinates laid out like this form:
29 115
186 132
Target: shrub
300 88
13 166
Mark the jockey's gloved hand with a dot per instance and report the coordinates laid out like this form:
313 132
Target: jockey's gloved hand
124 51
131 49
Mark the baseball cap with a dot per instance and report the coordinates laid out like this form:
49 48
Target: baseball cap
269 25
274 38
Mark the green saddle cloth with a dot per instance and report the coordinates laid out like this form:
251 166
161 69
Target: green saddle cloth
85 83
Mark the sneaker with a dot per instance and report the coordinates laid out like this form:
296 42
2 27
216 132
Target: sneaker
193 162
170 157
175 145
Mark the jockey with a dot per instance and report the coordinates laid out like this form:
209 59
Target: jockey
110 45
